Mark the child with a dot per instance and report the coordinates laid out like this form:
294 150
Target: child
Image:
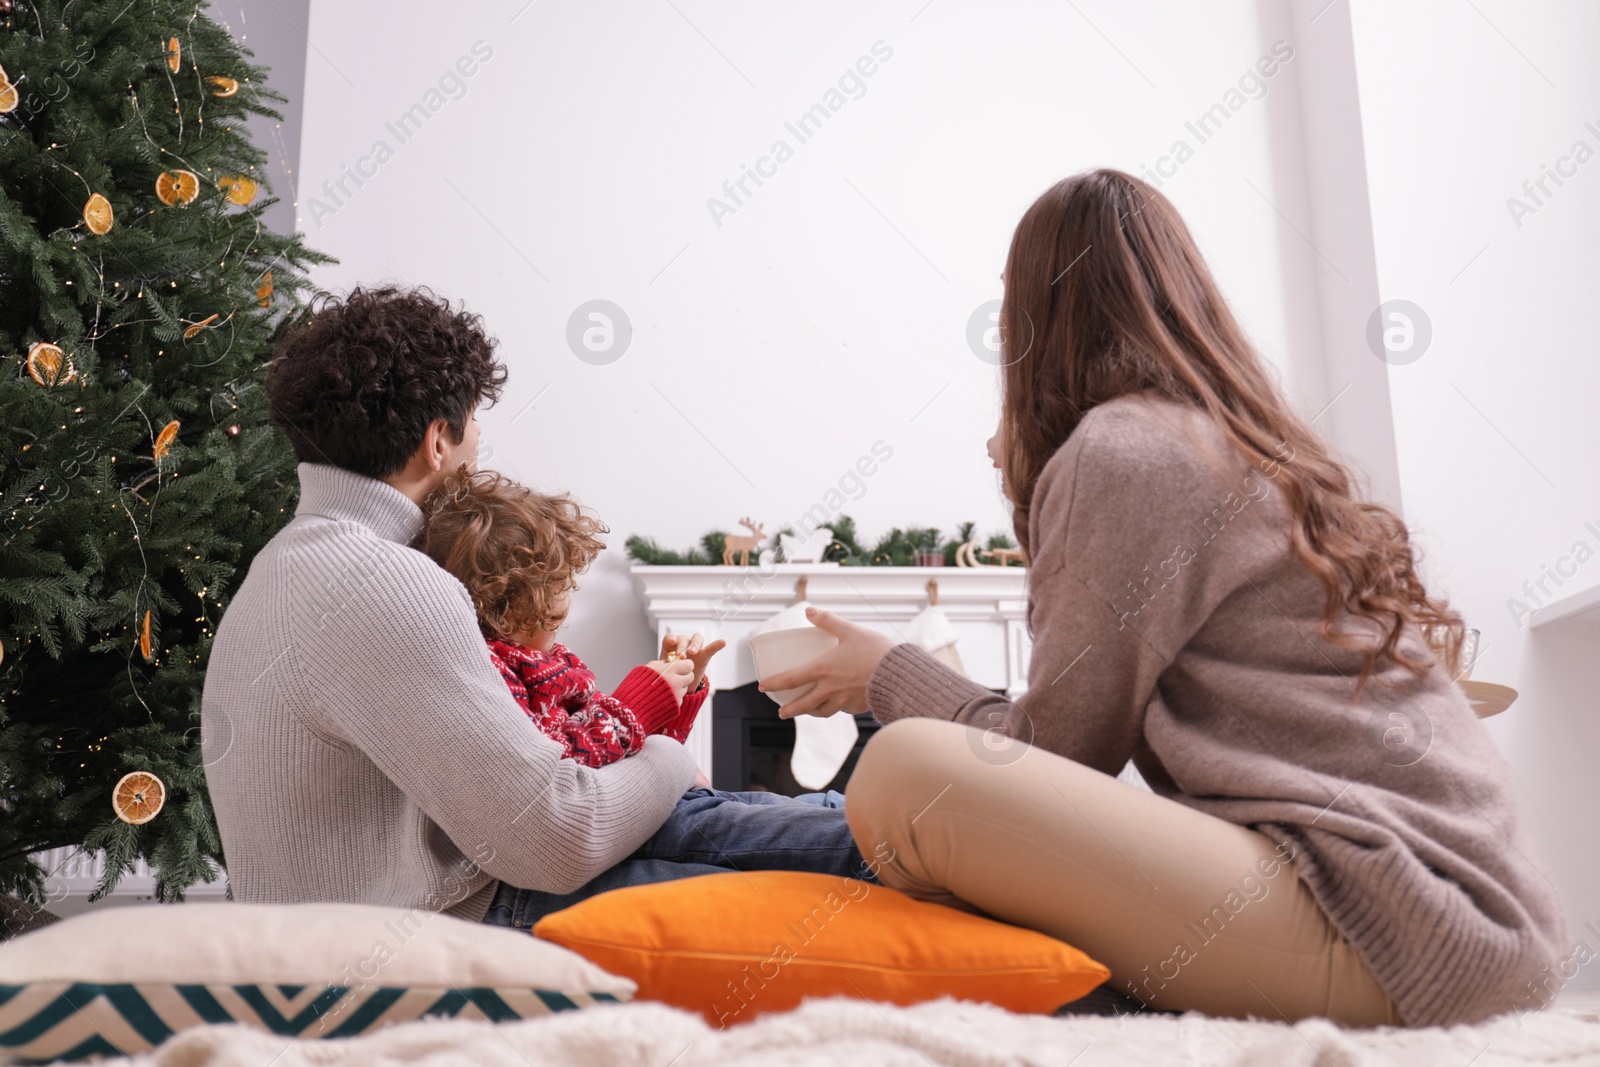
518 553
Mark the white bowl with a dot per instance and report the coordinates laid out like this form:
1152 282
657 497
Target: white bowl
777 651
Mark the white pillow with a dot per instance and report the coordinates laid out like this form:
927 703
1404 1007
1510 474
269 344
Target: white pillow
122 980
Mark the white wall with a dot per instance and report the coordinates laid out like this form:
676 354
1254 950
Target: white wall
1495 425
1376 167
830 310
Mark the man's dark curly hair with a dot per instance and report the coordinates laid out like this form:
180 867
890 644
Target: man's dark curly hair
358 385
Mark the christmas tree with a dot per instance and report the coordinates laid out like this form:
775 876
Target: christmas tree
139 299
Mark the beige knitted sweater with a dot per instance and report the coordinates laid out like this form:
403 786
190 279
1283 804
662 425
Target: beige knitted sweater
360 746
1173 625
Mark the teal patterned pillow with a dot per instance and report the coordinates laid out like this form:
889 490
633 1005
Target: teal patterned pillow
121 981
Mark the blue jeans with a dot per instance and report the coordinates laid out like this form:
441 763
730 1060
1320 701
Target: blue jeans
712 832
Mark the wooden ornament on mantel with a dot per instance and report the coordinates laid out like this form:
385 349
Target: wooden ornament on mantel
967 555
741 544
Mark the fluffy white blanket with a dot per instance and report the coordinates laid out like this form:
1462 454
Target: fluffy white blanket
826 1033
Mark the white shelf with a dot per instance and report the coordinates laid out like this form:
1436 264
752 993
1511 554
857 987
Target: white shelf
1580 606
740 594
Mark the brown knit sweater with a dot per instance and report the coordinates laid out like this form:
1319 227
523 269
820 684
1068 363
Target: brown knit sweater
1174 626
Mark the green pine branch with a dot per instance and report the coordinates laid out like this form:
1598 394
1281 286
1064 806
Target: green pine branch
94 531
896 548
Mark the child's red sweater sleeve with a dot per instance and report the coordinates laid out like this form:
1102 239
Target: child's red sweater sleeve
651 698
680 726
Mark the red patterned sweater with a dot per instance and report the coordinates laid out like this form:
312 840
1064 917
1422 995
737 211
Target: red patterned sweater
558 692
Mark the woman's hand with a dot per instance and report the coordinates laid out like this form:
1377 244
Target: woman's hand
838 677
677 673
695 650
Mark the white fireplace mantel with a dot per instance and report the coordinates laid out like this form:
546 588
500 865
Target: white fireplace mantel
985 605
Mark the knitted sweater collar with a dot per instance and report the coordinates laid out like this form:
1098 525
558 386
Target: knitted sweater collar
344 496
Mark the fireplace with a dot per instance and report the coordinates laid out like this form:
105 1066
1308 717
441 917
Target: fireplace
739 741
750 745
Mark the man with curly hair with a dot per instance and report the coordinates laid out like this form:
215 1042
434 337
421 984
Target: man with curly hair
359 744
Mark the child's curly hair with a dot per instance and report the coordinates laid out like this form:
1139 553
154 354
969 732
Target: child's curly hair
515 550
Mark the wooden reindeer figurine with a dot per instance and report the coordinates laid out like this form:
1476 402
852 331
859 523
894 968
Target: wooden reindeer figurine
743 543
968 552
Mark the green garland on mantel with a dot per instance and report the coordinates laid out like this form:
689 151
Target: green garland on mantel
897 548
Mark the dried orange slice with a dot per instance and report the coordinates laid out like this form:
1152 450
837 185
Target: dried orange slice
195 327
264 292
239 188
224 86
49 365
9 97
164 441
144 637
97 215
177 187
138 797
174 55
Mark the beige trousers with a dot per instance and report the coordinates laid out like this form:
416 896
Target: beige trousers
1189 912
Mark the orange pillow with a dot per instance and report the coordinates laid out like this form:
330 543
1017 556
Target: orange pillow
731 946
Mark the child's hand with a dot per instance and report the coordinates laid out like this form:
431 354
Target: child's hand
701 657
679 674
695 650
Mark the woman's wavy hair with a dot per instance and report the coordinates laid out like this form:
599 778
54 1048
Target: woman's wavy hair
1106 294
515 550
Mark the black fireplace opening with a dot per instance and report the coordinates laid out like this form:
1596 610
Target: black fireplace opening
750 745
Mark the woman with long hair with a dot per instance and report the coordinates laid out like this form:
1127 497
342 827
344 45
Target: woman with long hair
1329 831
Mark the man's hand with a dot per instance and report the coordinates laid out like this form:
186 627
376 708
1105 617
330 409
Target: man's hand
695 650
679 674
